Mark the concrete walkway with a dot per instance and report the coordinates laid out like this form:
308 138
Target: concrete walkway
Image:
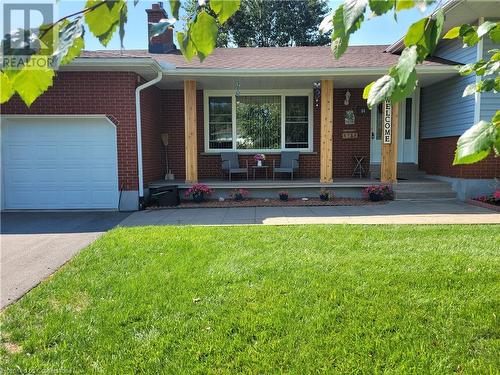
35 244
397 212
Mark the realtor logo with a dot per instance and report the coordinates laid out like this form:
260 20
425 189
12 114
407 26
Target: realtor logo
22 46
387 122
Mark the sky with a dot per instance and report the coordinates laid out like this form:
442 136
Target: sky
379 30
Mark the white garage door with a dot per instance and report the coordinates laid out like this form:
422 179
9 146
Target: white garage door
59 163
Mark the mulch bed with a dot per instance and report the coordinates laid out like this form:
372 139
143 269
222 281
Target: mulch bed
261 202
489 206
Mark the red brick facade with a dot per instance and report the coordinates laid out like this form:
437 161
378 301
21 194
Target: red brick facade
172 122
107 93
112 94
436 158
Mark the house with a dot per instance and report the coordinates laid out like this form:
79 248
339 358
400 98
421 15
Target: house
94 140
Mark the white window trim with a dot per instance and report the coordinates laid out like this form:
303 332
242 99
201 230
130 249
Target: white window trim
283 94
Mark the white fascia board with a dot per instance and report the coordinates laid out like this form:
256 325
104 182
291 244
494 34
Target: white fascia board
110 62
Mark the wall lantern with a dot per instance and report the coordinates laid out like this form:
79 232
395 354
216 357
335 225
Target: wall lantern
317 92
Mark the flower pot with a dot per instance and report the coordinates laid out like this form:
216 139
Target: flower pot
324 197
198 197
284 197
238 197
259 163
374 197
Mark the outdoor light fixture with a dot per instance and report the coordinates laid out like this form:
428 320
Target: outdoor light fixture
317 92
237 93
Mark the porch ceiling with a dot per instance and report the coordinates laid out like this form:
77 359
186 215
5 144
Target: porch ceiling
255 82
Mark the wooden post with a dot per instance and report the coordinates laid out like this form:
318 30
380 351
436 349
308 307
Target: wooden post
326 160
190 136
390 125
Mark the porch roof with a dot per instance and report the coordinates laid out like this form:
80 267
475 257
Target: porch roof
270 58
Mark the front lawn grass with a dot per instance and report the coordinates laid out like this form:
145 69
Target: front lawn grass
263 299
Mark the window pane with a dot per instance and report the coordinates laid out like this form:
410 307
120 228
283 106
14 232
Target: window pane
220 123
296 122
258 122
408 116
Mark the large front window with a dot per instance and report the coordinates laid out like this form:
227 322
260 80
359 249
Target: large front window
264 122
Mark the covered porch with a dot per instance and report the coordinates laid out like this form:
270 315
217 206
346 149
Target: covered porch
333 128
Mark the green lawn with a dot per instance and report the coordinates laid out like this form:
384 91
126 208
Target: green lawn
261 299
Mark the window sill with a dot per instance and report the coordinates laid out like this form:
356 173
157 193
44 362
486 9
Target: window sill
212 153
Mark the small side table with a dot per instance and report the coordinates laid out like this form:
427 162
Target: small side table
255 167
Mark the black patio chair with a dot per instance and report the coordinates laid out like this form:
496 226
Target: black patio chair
289 163
231 164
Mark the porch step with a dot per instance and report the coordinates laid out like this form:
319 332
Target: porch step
408 171
424 189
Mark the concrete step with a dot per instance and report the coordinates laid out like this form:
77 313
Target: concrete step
399 195
424 189
408 171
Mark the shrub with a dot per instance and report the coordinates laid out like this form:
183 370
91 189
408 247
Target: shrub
239 194
325 195
493 198
198 192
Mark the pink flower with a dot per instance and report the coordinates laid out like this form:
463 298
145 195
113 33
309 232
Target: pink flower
198 189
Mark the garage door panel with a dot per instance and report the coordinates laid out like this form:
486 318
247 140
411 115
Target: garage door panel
59 163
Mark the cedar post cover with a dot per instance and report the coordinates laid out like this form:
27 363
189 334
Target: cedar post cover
390 124
326 157
190 139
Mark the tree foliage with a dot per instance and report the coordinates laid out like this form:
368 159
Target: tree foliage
420 42
102 18
263 23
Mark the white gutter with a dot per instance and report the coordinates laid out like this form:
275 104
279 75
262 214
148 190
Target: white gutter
139 129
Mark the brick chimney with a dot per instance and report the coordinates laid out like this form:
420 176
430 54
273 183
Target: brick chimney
163 43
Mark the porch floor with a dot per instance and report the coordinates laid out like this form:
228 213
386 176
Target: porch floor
284 184
272 184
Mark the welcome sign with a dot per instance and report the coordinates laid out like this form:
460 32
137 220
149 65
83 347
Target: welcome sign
387 122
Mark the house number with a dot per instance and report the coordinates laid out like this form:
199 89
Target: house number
387 122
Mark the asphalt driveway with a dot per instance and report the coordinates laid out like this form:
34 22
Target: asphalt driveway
35 244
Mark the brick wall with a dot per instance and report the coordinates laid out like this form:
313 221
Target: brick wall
153 151
172 121
436 158
108 93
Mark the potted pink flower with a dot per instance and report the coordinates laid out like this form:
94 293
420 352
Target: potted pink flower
283 195
379 192
259 158
198 192
239 194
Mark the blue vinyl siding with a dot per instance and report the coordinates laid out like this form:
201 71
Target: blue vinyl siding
490 102
443 111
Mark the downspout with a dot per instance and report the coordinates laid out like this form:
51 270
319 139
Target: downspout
139 132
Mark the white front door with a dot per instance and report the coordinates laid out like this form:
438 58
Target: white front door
59 163
407 132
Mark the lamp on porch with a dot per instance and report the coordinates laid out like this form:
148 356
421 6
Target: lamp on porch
169 175
317 92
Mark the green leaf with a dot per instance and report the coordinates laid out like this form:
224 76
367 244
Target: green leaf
6 89
469 90
452 33
122 22
70 42
174 8
406 64
104 20
30 83
224 8
404 4
469 35
485 28
366 91
401 92
415 33
380 7
381 90
486 85
203 33
160 27
340 36
476 143
187 47
353 10
494 34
